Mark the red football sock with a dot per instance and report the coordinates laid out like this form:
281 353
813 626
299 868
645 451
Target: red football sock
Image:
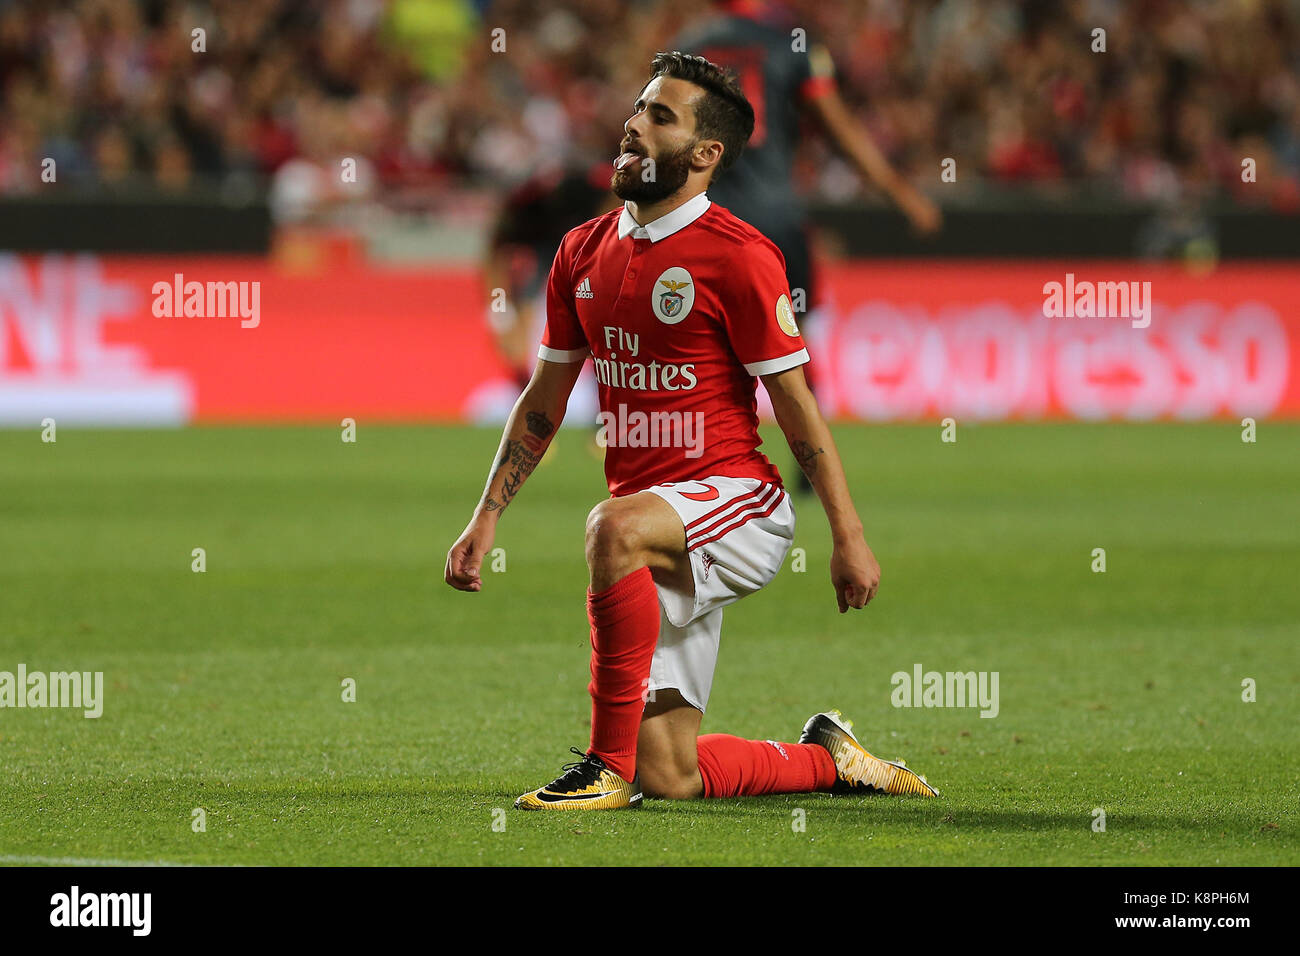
624 630
733 767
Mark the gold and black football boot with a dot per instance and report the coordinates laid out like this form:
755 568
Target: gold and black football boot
587 784
859 771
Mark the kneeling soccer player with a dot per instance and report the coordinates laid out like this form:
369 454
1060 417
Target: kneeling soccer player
681 306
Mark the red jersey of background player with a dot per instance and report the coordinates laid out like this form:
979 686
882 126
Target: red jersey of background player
679 316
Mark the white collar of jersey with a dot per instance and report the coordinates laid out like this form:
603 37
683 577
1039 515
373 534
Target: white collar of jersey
667 224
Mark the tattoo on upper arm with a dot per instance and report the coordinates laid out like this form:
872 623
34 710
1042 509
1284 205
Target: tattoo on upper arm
806 455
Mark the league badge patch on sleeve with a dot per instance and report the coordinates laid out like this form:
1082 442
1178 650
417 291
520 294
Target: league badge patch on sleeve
785 316
673 295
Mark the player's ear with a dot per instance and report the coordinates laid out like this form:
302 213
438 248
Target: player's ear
708 152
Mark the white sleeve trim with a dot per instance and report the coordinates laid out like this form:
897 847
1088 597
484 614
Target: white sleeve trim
778 364
560 355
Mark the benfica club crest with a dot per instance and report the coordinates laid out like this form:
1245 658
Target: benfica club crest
670 302
673 295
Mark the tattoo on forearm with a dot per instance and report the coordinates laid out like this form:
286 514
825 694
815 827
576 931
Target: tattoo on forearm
539 424
510 487
806 455
521 459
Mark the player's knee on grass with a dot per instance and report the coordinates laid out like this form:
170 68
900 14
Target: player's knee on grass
674 789
664 779
666 759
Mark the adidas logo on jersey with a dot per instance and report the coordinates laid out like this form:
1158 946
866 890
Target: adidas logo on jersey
584 289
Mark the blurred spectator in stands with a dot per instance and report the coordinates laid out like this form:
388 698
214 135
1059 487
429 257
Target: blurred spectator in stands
1011 89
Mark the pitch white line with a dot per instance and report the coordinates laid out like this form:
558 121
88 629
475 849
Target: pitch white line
84 861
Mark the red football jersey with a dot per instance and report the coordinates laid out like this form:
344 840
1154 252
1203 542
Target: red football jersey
679 316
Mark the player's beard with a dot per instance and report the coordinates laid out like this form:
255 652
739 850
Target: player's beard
670 174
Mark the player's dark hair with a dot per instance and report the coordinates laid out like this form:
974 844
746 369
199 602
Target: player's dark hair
722 113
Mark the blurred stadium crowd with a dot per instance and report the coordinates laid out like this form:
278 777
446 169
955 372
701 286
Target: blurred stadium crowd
113 91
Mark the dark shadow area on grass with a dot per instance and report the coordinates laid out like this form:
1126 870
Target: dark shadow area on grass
914 811
422 797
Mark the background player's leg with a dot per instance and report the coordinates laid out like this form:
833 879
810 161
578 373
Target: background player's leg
627 538
665 749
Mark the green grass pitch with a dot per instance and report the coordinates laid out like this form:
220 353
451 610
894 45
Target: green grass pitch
1119 690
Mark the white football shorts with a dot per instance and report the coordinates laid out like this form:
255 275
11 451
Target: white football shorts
738 532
